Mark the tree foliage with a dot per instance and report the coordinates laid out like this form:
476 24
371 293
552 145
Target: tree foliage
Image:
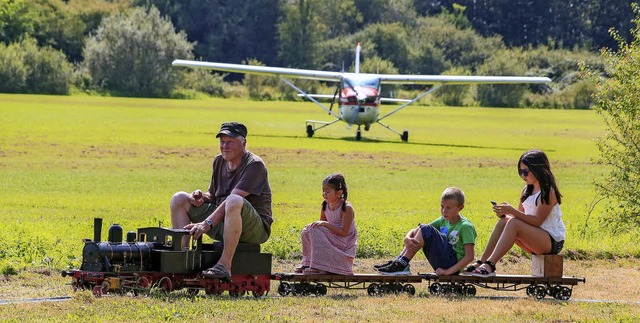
27 68
617 103
132 52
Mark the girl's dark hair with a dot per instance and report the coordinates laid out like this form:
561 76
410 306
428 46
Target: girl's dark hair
538 164
336 181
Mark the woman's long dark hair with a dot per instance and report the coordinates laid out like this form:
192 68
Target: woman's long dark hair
539 166
337 182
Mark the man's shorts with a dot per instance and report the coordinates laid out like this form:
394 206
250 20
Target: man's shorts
253 230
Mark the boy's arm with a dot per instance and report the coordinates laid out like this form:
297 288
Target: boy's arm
468 258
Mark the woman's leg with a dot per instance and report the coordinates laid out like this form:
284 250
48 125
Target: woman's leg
493 239
530 238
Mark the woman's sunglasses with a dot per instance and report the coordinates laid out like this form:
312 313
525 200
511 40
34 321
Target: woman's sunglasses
523 172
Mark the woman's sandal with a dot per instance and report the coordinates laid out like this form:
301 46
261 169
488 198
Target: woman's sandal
471 268
299 269
482 272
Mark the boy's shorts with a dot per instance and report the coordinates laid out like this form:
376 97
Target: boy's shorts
437 249
253 230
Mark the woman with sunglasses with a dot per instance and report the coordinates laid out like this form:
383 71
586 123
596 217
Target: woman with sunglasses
535 226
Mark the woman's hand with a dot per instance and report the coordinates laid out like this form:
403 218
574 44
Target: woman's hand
503 209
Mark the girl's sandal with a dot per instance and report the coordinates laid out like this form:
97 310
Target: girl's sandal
300 269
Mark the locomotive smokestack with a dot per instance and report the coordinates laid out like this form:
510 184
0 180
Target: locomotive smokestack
97 229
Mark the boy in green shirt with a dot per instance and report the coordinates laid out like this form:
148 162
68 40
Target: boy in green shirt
447 242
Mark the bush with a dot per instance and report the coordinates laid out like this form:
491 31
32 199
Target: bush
132 51
617 102
453 95
13 72
25 67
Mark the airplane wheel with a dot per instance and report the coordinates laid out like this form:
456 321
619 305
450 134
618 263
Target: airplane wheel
405 136
358 135
310 131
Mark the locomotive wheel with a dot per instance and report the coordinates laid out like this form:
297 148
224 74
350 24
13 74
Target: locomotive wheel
373 290
236 293
434 288
446 290
165 284
564 293
469 290
257 293
284 289
142 282
409 289
531 290
540 291
321 290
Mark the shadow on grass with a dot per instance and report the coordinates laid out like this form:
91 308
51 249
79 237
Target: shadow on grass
365 141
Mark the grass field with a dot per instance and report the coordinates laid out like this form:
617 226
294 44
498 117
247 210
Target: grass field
66 160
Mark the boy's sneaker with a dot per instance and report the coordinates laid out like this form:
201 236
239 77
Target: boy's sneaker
376 267
395 268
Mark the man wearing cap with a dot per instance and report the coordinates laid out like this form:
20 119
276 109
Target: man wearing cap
237 205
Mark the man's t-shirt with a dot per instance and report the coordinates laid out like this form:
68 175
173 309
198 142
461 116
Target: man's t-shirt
251 176
458 234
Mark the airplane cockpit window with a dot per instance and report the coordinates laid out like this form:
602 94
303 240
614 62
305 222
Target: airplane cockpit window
372 82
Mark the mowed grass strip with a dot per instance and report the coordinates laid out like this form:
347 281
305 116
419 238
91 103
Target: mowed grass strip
66 160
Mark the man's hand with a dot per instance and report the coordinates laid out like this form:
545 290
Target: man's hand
197 229
196 198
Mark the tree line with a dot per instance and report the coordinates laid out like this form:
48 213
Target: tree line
125 47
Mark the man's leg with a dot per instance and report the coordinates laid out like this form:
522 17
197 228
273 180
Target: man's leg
232 228
179 213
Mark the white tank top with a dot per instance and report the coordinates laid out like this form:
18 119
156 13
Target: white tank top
553 224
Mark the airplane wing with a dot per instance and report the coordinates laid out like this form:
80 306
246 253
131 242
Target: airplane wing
453 79
338 76
264 70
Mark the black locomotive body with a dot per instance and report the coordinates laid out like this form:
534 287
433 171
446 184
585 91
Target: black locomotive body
156 257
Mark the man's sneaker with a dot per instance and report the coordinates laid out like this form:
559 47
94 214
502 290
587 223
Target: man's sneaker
382 265
395 268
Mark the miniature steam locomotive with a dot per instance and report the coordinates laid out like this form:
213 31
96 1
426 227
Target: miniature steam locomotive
155 257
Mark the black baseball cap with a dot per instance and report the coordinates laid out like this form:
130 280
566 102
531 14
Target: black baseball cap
233 129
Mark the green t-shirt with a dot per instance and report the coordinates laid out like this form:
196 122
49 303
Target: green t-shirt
458 235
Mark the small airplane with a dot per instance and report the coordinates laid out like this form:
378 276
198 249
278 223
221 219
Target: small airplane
358 93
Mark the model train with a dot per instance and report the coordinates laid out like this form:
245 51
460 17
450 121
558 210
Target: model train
154 257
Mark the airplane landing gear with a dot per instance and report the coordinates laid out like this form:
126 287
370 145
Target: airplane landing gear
405 136
358 134
310 131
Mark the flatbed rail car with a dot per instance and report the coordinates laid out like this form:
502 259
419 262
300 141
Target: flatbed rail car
375 284
538 287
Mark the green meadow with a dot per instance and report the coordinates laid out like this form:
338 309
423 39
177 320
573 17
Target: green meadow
65 160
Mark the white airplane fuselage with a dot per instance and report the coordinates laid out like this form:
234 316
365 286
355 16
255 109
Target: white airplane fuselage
359 101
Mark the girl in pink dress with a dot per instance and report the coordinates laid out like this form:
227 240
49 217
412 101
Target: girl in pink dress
329 245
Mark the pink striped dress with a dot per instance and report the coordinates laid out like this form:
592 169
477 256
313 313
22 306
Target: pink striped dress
324 250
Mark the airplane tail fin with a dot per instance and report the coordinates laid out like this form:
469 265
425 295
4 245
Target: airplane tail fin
357 63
